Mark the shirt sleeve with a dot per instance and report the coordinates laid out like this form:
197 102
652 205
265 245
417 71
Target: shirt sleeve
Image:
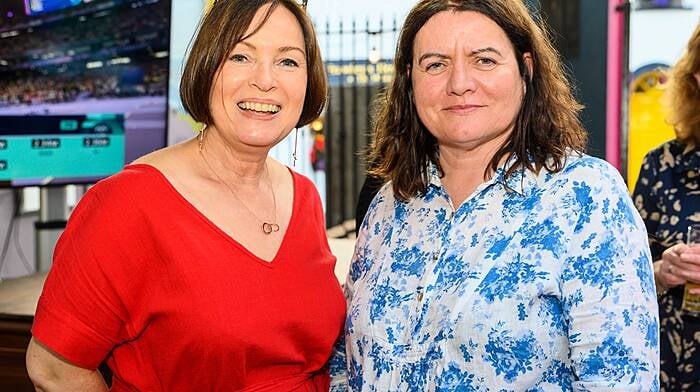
79 315
608 288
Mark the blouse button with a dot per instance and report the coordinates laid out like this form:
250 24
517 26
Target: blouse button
436 256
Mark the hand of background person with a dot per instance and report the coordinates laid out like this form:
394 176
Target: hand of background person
679 264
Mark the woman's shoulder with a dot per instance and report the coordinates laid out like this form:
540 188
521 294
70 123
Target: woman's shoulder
119 201
164 167
582 173
137 184
302 182
385 196
589 168
666 152
304 187
583 160
673 146
133 178
383 204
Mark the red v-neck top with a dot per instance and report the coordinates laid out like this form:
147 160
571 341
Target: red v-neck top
144 279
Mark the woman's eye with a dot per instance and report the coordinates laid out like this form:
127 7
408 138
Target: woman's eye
485 61
289 63
434 67
238 58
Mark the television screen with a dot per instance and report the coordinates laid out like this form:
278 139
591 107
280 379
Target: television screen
83 87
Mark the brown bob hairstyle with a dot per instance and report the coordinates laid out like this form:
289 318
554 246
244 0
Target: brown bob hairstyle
219 31
683 93
546 127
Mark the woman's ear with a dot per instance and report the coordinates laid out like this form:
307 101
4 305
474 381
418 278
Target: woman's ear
527 59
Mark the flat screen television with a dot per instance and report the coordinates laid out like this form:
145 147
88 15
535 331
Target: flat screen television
83 87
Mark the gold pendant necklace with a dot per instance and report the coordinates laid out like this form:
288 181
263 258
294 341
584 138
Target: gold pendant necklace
267 227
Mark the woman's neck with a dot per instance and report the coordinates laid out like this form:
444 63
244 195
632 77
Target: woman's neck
232 162
465 170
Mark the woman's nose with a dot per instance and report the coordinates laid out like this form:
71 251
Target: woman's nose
263 78
461 79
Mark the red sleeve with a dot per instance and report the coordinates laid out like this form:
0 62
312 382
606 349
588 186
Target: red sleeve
79 315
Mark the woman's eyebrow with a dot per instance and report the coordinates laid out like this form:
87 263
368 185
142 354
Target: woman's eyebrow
487 49
432 54
285 49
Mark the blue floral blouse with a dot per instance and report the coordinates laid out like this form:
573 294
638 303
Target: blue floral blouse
535 283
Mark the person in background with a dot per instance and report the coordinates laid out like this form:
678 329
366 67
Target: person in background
370 188
205 264
497 256
667 195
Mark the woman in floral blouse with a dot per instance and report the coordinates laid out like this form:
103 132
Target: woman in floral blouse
497 256
667 195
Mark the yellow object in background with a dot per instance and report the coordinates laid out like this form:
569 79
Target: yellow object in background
647 125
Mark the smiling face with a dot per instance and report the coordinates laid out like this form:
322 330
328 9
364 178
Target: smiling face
466 81
258 94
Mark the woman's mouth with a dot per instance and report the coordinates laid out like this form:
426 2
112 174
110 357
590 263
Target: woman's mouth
263 108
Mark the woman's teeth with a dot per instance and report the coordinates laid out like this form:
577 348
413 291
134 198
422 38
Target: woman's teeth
259 107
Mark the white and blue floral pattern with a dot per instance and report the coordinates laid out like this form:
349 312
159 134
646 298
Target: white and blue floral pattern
535 283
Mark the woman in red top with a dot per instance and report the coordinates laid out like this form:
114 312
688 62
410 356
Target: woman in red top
205 264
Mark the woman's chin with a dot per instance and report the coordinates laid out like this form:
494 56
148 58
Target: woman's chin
262 141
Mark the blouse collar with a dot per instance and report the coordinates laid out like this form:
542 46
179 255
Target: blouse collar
685 157
520 181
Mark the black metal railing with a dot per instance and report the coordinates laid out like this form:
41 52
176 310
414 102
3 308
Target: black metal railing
358 61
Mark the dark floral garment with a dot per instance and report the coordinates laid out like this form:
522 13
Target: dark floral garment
667 195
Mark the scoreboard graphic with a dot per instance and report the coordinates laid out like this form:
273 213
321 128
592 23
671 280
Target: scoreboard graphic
40 148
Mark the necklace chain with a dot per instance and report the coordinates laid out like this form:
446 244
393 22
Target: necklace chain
267 227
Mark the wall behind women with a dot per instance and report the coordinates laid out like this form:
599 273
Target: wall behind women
656 36
579 29
659 36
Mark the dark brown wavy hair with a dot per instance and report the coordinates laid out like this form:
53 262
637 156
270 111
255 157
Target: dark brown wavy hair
547 125
220 30
682 99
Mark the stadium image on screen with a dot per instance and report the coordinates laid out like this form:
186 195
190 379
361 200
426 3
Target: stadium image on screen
83 87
